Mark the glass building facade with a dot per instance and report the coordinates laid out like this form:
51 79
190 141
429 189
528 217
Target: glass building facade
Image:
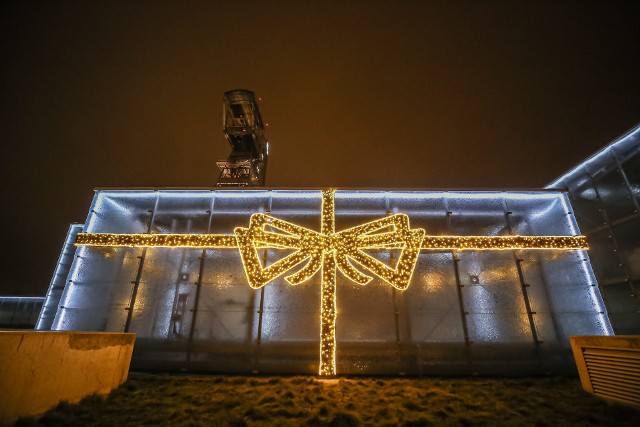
605 193
19 312
464 313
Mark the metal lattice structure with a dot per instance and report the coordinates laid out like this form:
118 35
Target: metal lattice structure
246 166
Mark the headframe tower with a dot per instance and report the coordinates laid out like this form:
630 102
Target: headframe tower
246 166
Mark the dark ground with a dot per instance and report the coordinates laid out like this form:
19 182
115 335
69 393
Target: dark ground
264 401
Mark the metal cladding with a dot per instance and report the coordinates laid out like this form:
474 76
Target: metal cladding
501 311
59 279
244 131
605 193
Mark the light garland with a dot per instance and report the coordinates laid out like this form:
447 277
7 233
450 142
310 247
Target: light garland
229 241
504 243
329 251
202 241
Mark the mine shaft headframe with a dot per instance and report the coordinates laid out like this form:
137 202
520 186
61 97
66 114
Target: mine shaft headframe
244 131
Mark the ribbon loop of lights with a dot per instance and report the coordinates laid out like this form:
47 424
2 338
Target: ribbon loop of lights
327 251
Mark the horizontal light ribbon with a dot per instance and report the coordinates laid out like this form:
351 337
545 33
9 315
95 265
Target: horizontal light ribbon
228 241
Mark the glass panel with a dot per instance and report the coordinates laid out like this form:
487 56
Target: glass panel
291 313
19 312
604 257
166 293
427 211
584 323
493 297
180 212
600 163
302 208
100 282
587 208
429 309
628 237
540 216
476 215
499 327
121 212
355 208
631 168
234 208
228 306
621 298
627 145
615 195
112 319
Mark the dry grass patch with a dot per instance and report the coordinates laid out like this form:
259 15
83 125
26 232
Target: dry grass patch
264 401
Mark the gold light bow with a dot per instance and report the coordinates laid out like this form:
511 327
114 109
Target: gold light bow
327 251
345 247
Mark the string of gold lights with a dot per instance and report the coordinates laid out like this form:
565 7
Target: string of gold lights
230 241
328 307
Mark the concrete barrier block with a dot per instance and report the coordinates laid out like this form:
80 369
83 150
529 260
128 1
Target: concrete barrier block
40 369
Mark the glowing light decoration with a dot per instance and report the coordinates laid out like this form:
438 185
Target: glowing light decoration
433 243
328 251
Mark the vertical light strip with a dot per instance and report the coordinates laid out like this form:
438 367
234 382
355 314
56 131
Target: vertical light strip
328 278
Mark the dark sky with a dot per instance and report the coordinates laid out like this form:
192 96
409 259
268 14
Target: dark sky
380 94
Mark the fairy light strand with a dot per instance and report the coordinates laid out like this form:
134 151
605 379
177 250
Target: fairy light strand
228 241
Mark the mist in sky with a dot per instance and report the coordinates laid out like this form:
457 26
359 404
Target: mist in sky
376 94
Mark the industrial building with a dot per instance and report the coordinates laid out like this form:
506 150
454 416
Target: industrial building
422 282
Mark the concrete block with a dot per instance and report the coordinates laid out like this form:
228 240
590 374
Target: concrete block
40 369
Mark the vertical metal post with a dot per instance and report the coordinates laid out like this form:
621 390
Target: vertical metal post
198 284
261 308
459 286
523 284
527 302
396 312
136 282
259 332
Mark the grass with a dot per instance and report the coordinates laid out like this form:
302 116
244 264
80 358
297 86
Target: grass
181 400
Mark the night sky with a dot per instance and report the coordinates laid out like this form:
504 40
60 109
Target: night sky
378 94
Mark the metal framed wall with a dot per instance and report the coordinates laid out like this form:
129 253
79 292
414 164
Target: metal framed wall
484 313
605 193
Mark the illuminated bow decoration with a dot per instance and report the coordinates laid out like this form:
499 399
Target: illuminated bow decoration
329 251
346 246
